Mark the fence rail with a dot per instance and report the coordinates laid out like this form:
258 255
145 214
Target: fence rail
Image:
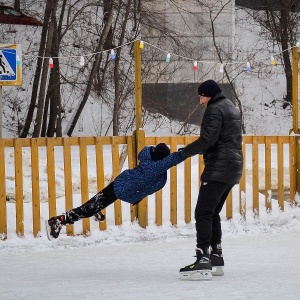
270 166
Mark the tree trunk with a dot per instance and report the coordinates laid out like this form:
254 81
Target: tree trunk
41 100
17 5
45 115
54 90
284 36
37 75
93 72
116 114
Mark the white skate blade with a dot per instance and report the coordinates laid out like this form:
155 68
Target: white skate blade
217 271
196 275
48 229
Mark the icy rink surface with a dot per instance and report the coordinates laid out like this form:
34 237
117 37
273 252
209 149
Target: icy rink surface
264 266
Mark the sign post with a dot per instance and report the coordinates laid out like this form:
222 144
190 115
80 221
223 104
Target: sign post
10 70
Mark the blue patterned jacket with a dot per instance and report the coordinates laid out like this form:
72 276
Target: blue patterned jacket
149 176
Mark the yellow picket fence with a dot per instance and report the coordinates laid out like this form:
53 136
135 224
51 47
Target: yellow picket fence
271 168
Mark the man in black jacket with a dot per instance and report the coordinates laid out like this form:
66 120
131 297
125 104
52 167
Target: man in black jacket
220 142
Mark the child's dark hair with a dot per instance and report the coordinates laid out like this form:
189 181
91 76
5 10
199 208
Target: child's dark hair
160 152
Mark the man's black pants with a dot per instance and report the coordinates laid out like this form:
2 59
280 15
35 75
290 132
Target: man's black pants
211 198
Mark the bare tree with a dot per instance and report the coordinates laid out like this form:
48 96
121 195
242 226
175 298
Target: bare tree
280 25
221 56
76 28
96 63
38 71
17 4
44 75
117 71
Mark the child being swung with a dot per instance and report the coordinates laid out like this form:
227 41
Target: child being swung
131 186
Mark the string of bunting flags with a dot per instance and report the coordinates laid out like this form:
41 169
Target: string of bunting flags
169 56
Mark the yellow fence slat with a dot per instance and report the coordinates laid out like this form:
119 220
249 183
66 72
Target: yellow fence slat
173 187
142 205
268 187
255 176
158 194
229 206
280 173
68 181
242 189
3 211
100 174
84 181
116 171
158 208
19 187
35 179
131 156
51 177
187 189
297 157
293 169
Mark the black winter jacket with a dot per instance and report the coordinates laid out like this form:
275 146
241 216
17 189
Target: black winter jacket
220 142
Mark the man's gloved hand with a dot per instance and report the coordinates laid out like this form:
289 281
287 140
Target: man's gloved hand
188 151
182 152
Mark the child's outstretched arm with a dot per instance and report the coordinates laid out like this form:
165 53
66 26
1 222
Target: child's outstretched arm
175 158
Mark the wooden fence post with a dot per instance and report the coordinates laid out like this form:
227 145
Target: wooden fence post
142 207
84 184
116 171
68 180
19 187
35 183
132 162
298 164
3 210
51 177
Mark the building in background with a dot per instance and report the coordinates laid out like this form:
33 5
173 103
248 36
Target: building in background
202 35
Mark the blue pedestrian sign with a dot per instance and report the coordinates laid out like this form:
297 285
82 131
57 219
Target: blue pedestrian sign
8 64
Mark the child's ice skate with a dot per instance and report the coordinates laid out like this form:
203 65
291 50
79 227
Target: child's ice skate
100 217
54 225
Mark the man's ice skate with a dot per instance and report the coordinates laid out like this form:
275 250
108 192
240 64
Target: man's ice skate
100 217
53 226
200 270
217 261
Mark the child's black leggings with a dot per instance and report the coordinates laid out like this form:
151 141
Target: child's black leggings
98 202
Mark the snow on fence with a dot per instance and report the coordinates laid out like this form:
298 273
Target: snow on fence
61 173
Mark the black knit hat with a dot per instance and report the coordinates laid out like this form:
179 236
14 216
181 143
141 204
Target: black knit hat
208 88
160 151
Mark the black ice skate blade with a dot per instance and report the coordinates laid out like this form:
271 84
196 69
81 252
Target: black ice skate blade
48 230
196 275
